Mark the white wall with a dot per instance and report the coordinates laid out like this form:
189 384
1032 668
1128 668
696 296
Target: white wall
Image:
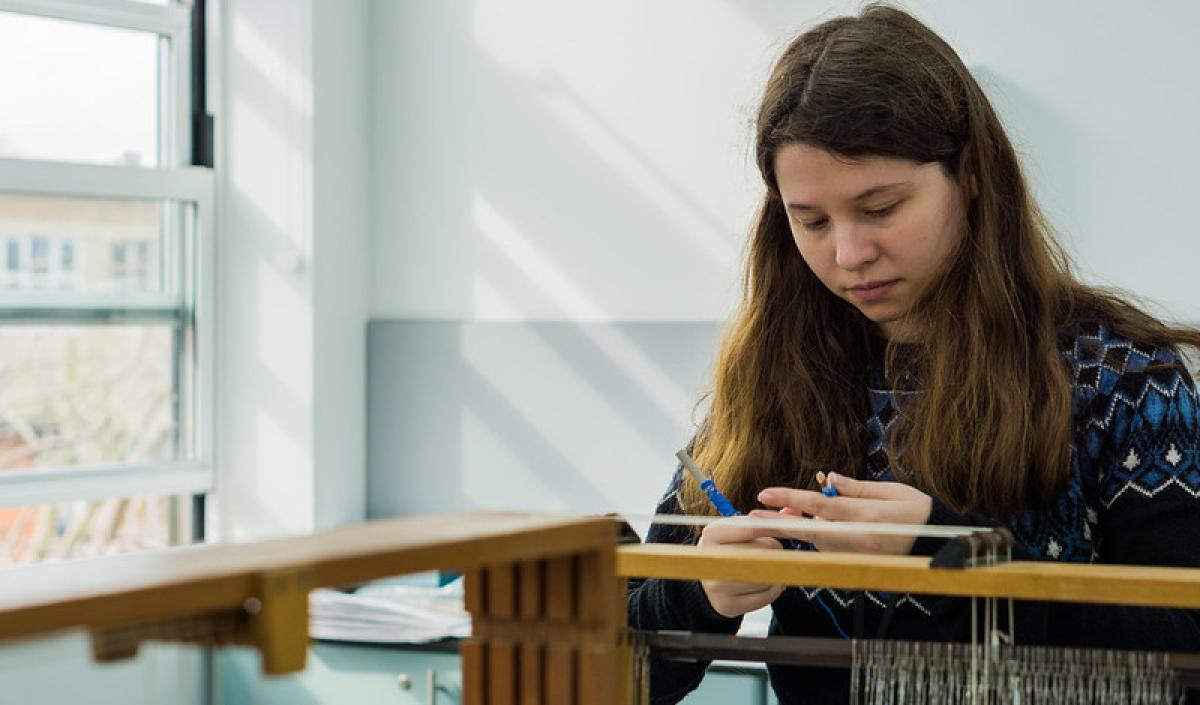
292 265
560 161
341 271
543 160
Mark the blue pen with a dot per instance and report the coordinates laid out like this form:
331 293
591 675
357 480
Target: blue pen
710 488
827 487
725 509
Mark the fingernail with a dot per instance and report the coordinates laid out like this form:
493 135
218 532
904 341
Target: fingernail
833 477
766 496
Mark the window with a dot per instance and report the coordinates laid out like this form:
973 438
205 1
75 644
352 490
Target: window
12 255
118 261
106 284
66 260
39 255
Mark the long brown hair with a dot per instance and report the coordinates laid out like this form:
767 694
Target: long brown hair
991 428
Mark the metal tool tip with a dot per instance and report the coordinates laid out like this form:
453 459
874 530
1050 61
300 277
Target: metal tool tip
690 466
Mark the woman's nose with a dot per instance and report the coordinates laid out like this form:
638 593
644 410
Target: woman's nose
855 247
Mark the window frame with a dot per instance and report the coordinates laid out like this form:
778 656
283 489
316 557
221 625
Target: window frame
188 296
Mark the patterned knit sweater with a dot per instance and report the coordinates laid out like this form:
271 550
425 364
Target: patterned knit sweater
1133 498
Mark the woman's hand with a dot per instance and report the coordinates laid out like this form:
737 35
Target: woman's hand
859 501
732 599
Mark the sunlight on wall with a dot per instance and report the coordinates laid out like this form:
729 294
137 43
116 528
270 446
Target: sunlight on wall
293 84
269 193
266 289
605 131
557 286
575 305
284 326
282 492
690 217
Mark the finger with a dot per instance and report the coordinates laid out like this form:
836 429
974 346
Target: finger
799 533
734 599
740 590
867 489
818 505
786 512
842 542
789 512
730 531
768 542
784 497
761 598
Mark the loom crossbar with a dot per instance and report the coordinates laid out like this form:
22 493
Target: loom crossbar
1146 586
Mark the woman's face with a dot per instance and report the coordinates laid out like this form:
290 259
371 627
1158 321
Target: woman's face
875 230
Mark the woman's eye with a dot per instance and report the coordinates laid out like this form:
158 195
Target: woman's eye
880 212
815 224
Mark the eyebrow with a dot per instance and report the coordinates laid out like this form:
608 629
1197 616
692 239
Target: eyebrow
874 190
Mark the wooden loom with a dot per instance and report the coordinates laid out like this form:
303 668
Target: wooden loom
546 594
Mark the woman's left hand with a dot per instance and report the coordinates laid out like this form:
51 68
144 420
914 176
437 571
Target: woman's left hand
858 501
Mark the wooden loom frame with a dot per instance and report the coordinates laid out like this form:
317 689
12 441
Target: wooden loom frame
546 593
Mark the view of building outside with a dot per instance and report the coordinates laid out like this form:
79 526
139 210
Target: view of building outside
83 394
79 244
78 392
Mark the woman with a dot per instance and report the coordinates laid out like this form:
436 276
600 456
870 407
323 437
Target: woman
909 324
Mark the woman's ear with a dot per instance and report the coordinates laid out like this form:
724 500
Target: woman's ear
965 174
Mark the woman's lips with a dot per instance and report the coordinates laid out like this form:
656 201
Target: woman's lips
873 291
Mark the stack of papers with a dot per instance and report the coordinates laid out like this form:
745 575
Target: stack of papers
389 613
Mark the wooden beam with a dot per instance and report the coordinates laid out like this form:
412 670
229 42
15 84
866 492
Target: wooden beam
1058 582
525 588
192 581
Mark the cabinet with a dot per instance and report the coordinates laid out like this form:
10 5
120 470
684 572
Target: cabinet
343 673
726 685
409 675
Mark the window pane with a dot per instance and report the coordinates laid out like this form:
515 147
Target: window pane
85 395
85 528
84 244
78 92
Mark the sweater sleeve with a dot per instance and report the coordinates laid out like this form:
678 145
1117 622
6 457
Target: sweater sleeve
656 604
1140 447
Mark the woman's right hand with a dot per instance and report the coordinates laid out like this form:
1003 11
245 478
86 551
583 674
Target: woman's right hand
733 599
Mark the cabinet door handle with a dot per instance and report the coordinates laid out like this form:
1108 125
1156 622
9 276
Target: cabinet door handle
432 688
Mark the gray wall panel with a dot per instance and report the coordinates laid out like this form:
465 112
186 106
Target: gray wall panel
577 417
